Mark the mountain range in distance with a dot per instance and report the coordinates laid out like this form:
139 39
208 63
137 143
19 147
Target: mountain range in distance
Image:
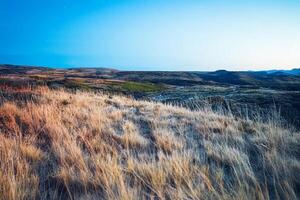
295 71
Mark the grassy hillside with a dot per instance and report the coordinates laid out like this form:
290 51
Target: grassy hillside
60 145
242 90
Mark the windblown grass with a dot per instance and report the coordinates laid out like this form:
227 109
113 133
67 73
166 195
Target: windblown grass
61 145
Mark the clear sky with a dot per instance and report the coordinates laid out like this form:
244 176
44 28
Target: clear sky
151 35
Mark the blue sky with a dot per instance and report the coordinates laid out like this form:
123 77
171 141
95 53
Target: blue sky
151 35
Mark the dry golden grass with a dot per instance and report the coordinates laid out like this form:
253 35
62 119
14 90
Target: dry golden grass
61 145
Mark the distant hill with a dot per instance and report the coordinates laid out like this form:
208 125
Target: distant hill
284 72
278 79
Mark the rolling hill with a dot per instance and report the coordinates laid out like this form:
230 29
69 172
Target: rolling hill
56 144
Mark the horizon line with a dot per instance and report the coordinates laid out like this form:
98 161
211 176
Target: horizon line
118 68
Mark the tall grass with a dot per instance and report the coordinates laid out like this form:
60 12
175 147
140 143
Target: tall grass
61 145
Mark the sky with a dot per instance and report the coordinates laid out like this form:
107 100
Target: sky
197 35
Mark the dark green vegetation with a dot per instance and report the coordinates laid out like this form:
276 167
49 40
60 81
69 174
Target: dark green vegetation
241 92
142 87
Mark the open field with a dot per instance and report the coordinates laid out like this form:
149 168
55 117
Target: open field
243 92
149 100
81 145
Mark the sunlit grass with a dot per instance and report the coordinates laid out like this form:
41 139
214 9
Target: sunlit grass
92 146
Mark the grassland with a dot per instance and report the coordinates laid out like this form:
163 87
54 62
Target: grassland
56 144
142 87
243 91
